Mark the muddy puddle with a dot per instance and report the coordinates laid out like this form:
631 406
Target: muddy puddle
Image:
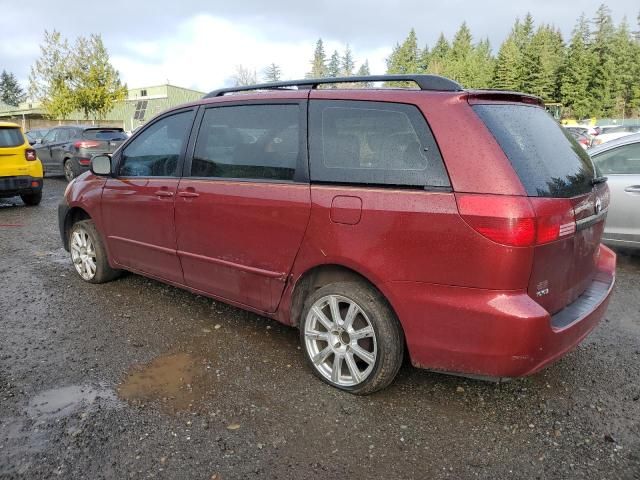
178 382
64 401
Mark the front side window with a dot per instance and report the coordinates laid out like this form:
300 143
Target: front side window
375 143
156 151
259 142
624 160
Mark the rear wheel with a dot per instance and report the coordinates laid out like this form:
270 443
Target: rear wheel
31 199
351 337
69 170
88 254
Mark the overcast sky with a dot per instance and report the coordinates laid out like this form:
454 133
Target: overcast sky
197 43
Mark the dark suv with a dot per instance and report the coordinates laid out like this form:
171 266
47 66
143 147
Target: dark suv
67 150
364 218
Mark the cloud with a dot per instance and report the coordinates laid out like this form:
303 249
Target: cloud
203 52
197 43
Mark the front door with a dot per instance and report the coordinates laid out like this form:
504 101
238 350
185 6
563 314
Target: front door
44 152
244 203
622 166
138 204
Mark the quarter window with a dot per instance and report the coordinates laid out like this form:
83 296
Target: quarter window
156 151
248 142
375 143
622 160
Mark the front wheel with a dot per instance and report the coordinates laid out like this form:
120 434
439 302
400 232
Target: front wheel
88 254
351 337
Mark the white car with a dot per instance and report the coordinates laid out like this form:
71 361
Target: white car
609 133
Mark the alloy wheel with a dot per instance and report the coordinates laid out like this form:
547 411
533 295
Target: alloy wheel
83 253
340 340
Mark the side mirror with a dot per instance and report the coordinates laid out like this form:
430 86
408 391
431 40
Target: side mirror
101 165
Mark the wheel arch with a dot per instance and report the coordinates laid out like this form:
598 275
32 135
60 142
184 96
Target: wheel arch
317 276
74 215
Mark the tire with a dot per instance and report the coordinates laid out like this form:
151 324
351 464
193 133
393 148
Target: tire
31 199
88 255
69 170
377 350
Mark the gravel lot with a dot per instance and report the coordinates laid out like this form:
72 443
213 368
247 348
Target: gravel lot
135 379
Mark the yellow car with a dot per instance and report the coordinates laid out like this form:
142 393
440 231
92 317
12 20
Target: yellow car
20 170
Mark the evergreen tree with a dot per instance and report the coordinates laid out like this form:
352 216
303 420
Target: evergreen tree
506 74
542 60
333 69
272 73
459 65
11 92
576 72
364 71
523 35
482 65
319 62
604 82
438 56
404 58
626 68
348 64
423 59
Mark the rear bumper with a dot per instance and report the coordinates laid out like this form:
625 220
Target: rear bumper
492 333
19 185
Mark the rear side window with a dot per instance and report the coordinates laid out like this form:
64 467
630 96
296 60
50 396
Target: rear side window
623 160
10 137
546 158
260 142
104 135
375 143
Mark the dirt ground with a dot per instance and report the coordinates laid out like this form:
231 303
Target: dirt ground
136 379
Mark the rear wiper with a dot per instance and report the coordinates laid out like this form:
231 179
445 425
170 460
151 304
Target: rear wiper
597 180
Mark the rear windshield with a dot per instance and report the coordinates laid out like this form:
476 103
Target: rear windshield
10 137
104 135
547 159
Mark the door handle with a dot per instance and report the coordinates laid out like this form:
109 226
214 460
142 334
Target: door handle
163 193
633 189
188 194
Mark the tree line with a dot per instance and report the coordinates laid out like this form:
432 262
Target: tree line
597 73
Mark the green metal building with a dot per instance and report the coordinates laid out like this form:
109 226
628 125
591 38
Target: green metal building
140 105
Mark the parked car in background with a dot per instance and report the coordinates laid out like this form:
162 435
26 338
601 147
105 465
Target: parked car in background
67 150
612 132
619 160
581 135
364 218
20 169
36 135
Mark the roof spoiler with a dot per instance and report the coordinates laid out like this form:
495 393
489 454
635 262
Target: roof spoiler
502 96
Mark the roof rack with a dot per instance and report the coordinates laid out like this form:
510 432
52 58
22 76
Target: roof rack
425 82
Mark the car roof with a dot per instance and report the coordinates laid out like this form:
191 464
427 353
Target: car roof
627 139
9 124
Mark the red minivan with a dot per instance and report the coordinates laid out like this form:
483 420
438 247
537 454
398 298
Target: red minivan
459 227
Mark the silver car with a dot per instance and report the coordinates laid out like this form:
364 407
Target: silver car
619 160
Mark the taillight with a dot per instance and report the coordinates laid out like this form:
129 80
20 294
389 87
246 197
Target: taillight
517 221
30 154
555 219
86 144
